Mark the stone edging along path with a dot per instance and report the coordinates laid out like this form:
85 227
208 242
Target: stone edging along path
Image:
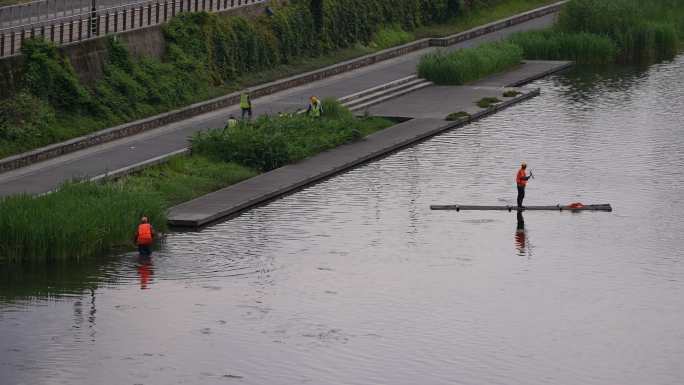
129 129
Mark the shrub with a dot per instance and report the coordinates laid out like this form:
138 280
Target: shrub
25 119
333 109
465 65
511 93
390 36
226 47
487 102
293 27
139 87
269 143
582 47
458 116
49 76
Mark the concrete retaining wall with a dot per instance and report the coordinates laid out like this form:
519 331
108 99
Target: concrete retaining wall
133 128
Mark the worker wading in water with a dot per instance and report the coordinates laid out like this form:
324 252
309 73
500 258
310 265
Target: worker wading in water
144 237
521 180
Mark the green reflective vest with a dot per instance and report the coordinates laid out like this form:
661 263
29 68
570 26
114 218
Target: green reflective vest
244 101
316 109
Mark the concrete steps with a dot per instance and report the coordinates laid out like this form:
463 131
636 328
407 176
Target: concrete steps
383 92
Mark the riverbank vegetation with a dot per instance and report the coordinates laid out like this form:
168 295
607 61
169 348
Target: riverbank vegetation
580 47
90 219
272 142
601 32
465 65
210 55
79 220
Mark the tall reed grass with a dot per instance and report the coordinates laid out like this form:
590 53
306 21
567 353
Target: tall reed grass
78 221
465 65
581 47
643 30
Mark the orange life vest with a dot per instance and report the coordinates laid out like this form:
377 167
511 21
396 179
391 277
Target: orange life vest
520 178
144 234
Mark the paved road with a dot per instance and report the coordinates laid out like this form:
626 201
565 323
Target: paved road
46 176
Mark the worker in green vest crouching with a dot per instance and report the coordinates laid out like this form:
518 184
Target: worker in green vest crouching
232 122
315 109
246 104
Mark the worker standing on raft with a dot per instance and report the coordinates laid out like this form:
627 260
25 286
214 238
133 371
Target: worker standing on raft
521 180
144 237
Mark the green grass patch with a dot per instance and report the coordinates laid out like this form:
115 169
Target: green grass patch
272 142
390 36
511 93
466 65
183 178
581 47
487 102
458 116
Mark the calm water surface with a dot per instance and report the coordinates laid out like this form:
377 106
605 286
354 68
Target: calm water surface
356 281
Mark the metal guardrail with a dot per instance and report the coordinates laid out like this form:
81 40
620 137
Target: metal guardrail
33 11
83 23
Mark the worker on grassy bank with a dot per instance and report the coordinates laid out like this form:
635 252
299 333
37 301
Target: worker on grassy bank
246 104
144 237
232 122
315 109
521 181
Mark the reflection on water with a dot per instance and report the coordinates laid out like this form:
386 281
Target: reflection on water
520 234
356 281
145 270
29 281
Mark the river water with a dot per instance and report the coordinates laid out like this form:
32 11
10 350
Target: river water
355 281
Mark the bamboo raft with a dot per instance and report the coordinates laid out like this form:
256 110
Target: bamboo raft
558 207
